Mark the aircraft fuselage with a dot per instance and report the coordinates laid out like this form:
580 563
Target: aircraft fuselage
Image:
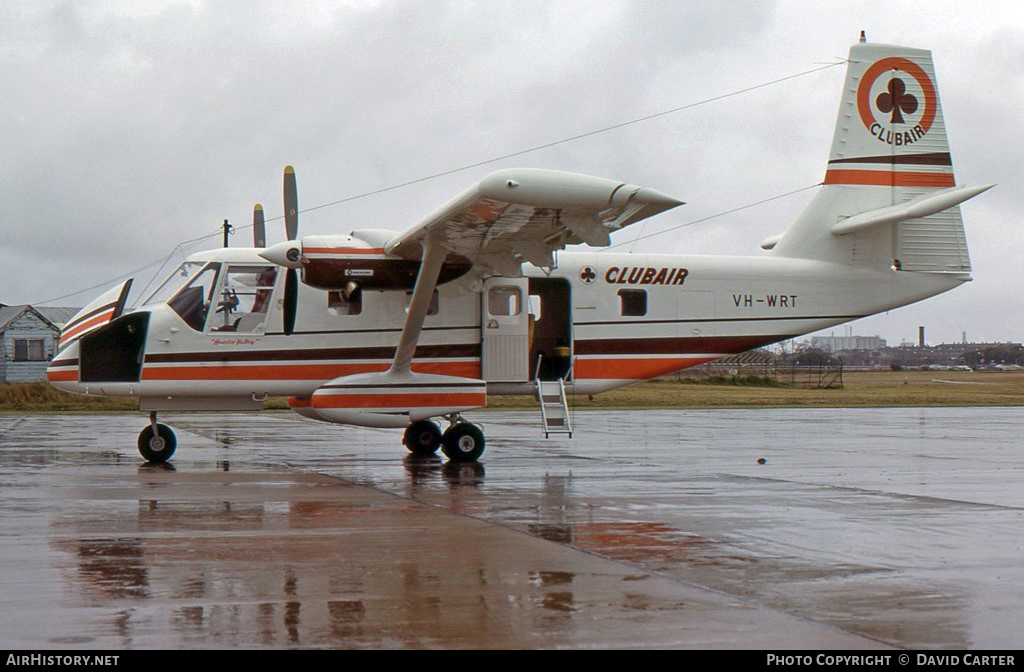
601 320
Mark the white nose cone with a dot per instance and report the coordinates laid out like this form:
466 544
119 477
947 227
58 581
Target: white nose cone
287 254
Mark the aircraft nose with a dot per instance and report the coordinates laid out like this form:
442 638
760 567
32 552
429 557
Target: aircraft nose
62 372
287 254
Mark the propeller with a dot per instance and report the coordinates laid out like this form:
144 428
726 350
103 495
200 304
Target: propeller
259 229
291 227
291 204
289 253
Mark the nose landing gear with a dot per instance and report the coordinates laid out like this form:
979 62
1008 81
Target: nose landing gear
157 441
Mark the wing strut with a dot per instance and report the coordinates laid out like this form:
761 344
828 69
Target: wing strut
426 281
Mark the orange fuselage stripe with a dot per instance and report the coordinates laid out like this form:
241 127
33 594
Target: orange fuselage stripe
99 319
624 368
634 369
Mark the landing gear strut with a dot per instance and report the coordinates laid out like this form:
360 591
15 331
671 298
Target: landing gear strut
157 441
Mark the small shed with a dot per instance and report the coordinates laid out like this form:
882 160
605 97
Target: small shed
28 341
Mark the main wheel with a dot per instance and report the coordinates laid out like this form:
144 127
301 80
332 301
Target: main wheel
157 446
422 438
463 442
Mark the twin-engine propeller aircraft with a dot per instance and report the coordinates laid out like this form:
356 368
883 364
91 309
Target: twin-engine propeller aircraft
388 329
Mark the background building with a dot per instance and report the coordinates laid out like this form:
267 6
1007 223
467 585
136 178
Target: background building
837 343
28 340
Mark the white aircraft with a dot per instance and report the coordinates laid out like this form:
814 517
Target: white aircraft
392 329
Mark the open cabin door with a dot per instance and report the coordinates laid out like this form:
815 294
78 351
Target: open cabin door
505 331
551 337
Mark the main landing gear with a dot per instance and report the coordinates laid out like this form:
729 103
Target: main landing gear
461 442
157 441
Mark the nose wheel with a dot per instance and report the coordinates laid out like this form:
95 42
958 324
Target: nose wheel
157 441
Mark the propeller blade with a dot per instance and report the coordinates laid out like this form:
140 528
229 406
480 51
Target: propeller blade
291 300
291 204
259 229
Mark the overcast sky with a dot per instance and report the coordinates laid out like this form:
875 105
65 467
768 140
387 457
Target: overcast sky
129 127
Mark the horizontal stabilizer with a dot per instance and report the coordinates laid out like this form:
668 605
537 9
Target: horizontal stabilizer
922 206
770 242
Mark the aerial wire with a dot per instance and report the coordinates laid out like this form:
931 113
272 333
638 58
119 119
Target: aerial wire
162 261
182 246
632 241
564 140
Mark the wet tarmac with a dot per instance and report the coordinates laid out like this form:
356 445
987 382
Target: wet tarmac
861 529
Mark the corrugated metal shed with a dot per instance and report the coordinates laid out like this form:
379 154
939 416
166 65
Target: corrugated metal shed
58 315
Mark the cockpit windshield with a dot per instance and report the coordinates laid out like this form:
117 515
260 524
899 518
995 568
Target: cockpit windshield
175 281
188 292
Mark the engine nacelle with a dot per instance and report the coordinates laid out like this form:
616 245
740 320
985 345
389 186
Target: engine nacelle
342 263
333 269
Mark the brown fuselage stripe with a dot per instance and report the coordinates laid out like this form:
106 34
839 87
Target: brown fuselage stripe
458 350
316 372
703 345
931 159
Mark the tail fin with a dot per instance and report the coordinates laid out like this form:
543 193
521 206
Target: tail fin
888 198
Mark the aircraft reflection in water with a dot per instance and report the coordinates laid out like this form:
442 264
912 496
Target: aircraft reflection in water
304 584
392 329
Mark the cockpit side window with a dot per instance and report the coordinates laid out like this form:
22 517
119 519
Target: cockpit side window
244 299
192 303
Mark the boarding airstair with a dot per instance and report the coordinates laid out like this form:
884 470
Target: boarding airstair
554 408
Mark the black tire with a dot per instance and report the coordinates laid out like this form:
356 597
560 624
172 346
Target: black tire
422 438
463 442
157 447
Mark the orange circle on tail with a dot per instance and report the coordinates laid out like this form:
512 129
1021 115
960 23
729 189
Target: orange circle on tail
867 116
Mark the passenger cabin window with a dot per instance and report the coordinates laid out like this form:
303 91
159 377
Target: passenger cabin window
504 301
633 302
192 303
244 299
342 303
432 309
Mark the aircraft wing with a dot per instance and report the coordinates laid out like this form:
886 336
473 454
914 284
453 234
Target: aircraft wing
526 214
